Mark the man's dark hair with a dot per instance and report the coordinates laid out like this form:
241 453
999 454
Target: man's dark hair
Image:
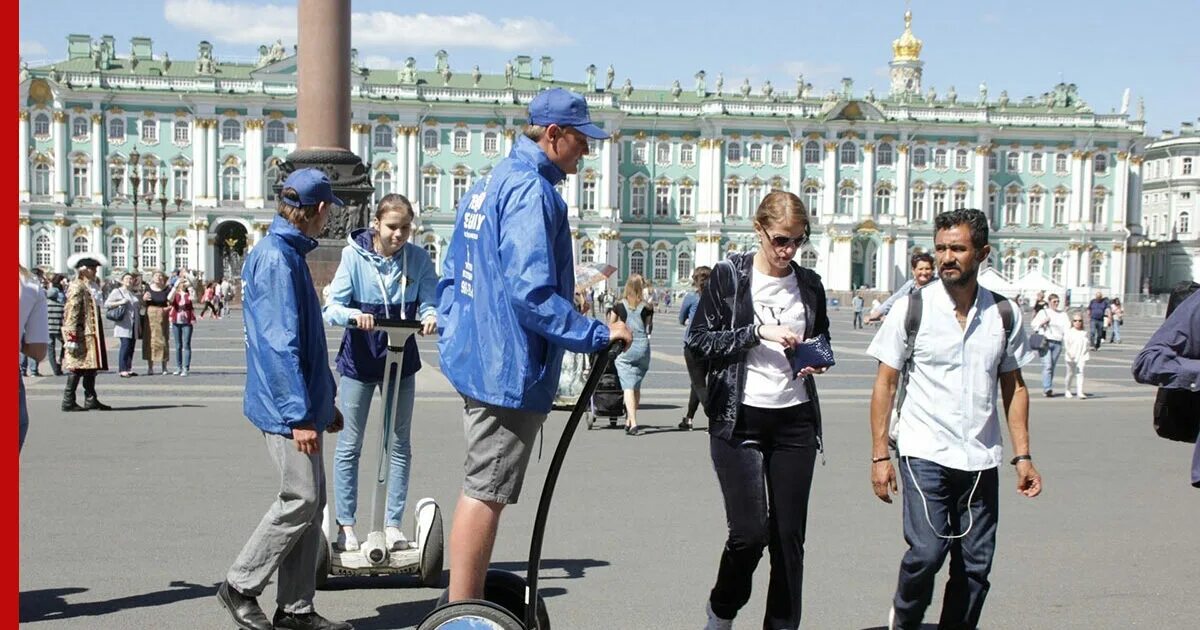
975 219
920 257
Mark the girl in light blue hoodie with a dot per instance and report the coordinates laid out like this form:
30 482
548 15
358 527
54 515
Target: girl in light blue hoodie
380 275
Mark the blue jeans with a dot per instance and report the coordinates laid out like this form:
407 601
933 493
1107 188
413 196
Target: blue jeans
1115 334
355 398
183 346
1049 363
125 358
22 415
946 493
1097 333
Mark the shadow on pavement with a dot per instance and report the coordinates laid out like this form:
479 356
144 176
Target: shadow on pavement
574 569
653 406
404 615
153 407
50 604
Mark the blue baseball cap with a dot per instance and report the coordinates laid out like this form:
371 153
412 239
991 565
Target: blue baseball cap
313 187
565 109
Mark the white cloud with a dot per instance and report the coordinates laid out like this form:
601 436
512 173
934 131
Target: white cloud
30 47
243 23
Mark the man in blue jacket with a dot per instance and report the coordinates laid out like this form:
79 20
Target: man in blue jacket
505 311
290 398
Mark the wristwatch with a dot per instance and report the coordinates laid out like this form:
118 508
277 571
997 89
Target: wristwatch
1020 458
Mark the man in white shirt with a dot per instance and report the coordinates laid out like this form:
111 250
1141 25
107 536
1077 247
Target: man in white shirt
948 433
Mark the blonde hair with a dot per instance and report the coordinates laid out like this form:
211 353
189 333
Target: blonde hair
778 207
634 285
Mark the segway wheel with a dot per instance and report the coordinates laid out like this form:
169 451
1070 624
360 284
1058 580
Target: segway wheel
324 561
506 590
472 614
432 552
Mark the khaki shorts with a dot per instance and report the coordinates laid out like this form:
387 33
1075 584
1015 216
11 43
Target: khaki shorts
499 443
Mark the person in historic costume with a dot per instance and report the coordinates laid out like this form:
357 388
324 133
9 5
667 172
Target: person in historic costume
83 334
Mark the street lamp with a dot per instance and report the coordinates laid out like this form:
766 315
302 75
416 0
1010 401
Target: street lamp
162 205
135 180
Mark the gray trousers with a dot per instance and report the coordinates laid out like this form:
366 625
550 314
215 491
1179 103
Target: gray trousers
289 534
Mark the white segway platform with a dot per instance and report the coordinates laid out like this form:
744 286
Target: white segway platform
424 555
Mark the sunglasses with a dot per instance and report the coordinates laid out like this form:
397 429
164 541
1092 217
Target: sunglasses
1077 321
782 242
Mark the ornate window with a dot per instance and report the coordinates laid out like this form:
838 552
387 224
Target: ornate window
662 199
812 152
637 262
1100 163
1035 208
41 125
960 160
1183 224
491 143
637 197
959 198
1010 267
1059 211
231 131
812 199
276 132
431 248
462 141
1037 162
116 129
79 127
383 182
182 132
846 199
1012 162
919 156
80 244
662 267
183 179
733 152
270 176
458 188
808 259
1056 271
1098 197
662 153
683 266
182 253
687 153
429 190
639 152
1187 166
1012 204
883 200
917 204
587 202
849 153
382 137
884 155
231 184
429 140
1095 271
79 180
43 250
756 194
777 154
117 252
1060 163
756 153
1033 264
993 162
41 179
685 200
939 158
587 253
939 201
149 253
733 198
150 131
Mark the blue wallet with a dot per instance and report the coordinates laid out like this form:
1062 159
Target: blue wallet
814 353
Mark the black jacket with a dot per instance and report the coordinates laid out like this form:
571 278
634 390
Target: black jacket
723 329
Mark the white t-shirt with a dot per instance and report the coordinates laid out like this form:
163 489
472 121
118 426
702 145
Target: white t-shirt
1051 324
32 301
769 382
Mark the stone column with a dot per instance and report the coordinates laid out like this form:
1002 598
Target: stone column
401 181
413 167
253 191
1079 194
1088 184
1072 279
704 191
509 136
1135 195
23 158
62 243
201 247
1116 269
866 205
356 140
795 169
96 234
24 238
61 164
708 249
886 263
608 170
981 179
199 162
212 165
1120 202
97 170
839 263
829 191
323 80
903 196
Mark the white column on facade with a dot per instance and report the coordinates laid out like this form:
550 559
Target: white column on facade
509 137
401 179
414 165
981 178
1120 205
608 177
212 168
571 194
24 238
97 168
903 197
23 158
60 158
253 192
1088 182
795 168
96 233
199 162
1078 193
840 263
829 193
1116 270
356 143
62 243
704 192
886 264
866 205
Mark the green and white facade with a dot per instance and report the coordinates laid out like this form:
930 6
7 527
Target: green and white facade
675 187
1170 207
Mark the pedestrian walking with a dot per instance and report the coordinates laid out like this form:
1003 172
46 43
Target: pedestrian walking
156 340
210 301
857 303
34 335
1116 317
505 313
921 264
56 297
182 313
697 368
948 430
84 351
764 417
126 328
380 275
290 398
633 364
1098 310
225 295
1052 324
1077 353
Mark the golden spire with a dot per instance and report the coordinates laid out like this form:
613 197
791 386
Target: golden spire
908 47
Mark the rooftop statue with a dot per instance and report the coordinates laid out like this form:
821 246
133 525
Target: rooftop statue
1003 99
476 75
508 74
676 90
204 60
745 89
983 94
608 78
166 61
408 74
952 95
720 82
627 89
768 90
701 86
591 77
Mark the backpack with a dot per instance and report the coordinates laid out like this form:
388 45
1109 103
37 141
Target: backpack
1175 416
912 323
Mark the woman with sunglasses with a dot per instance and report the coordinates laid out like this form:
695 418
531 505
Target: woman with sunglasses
764 418
1052 323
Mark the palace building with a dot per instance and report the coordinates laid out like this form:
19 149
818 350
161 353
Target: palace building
196 145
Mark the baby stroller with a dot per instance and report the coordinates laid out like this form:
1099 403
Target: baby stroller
609 399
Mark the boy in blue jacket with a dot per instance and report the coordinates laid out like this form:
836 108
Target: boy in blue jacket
290 398
505 310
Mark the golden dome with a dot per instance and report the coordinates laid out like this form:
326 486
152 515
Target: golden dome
908 47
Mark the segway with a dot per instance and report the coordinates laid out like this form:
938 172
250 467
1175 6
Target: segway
511 603
374 557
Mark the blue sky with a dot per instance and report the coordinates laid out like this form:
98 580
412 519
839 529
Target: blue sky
1022 46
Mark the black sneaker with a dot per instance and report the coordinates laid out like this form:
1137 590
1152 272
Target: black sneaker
685 425
244 610
307 621
1049 393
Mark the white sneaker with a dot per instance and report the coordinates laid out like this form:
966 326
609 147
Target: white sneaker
183 373
1070 395
175 373
395 539
346 540
892 618
1082 395
715 622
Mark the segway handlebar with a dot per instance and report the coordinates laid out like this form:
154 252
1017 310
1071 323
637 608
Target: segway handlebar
388 323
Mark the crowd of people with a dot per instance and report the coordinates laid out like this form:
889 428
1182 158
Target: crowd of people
949 354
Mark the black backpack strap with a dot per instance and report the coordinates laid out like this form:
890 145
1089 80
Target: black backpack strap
912 324
1007 317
